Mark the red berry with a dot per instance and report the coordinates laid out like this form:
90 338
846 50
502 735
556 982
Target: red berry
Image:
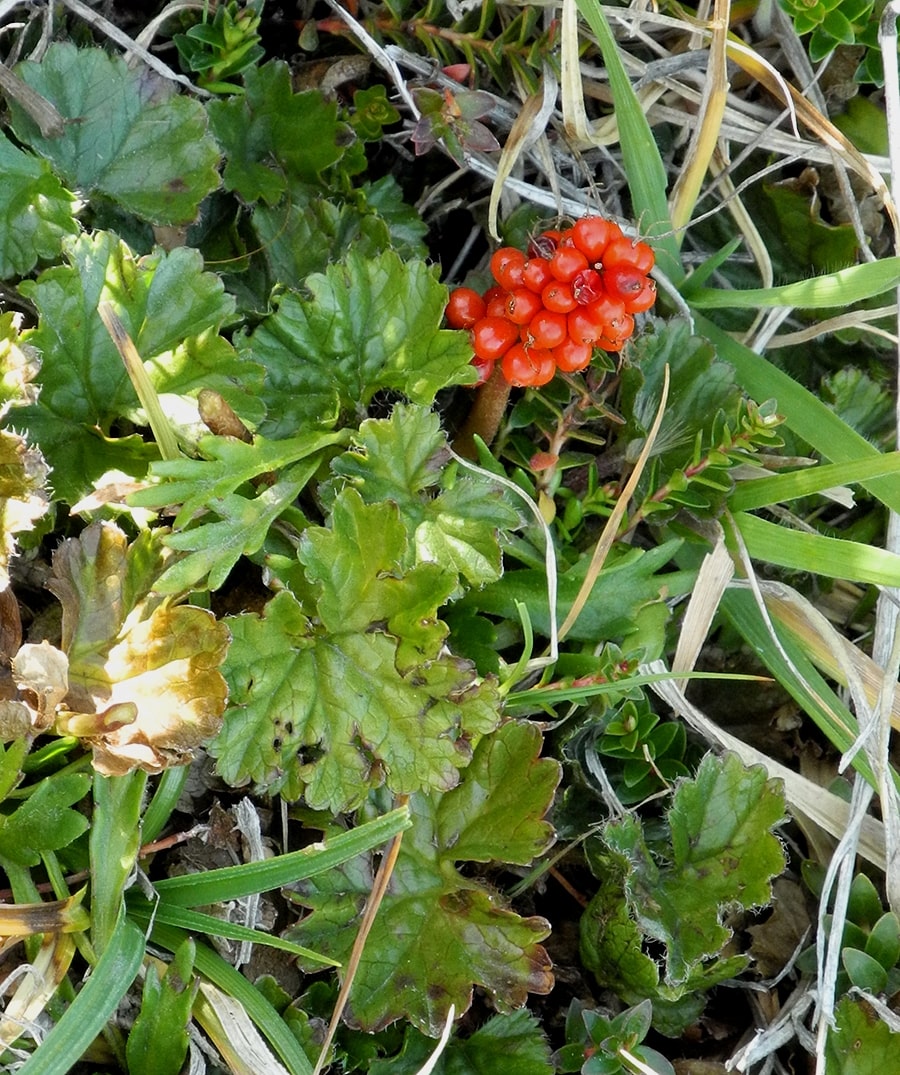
492 337
464 308
485 368
543 245
587 287
597 321
508 265
536 274
567 263
527 366
636 290
495 302
641 300
615 336
591 235
547 329
558 297
625 252
521 305
570 357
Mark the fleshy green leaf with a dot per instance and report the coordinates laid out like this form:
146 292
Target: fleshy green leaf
271 134
45 821
172 310
128 649
399 459
723 853
129 138
35 211
370 324
463 933
364 698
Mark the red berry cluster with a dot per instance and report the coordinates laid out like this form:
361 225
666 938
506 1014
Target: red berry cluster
575 290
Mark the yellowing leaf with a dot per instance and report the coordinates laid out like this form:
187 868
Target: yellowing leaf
147 670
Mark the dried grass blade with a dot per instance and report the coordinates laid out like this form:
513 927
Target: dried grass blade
611 529
706 134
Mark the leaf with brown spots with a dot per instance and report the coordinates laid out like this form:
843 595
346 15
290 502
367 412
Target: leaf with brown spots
438 933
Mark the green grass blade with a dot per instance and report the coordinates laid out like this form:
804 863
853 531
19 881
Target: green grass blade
165 798
832 557
641 158
811 692
234 882
222 974
840 289
806 415
779 488
97 1000
198 922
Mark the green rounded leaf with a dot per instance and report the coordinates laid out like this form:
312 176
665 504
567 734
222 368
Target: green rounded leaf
864 971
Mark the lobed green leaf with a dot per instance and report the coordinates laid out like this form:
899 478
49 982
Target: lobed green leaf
129 137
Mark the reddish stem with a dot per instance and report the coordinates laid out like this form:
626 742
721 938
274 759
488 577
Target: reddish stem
485 416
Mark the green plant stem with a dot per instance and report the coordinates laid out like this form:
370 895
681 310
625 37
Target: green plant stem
114 845
485 416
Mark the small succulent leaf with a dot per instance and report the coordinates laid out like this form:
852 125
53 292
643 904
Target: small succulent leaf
272 135
864 971
45 821
859 1042
172 310
36 211
129 650
883 943
369 324
723 853
464 933
332 714
129 136
458 527
864 907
